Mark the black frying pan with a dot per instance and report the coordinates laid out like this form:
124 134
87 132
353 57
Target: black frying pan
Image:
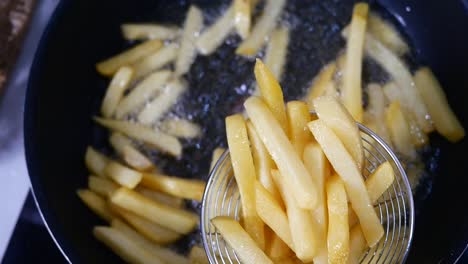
65 91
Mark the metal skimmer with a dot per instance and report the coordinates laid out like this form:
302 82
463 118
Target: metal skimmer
395 208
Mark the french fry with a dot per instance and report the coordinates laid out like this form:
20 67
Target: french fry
351 92
301 223
335 116
96 203
264 26
95 161
445 120
278 250
144 91
392 92
192 27
357 245
148 31
174 219
242 17
276 52
146 228
156 108
244 246
131 155
271 93
124 246
399 130
157 139
263 163
214 36
376 109
175 186
298 118
217 152
338 229
244 172
123 175
155 61
379 181
387 34
197 255
163 253
101 186
181 128
170 200
110 66
346 167
119 83
282 152
320 83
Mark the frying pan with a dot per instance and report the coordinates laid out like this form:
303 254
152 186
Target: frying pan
65 91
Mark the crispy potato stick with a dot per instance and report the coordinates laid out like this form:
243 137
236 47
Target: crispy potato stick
242 17
123 175
144 91
124 246
376 109
148 229
217 152
277 249
155 61
282 152
272 214
174 219
96 203
156 108
95 161
197 255
335 116
271 93
352 90
392 92
181 128
159 140
301 223
277 51
192 27
357 245
101 186
163 253
264 26
215 35
298 118
379 181
178 187
338 229
387 34
445 120
148 31
347 169
170 200
244 246
110 66
130 154
321 83
244 172
118 85
399 130
263 163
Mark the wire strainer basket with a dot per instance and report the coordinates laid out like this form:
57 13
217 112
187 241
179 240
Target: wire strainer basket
395 207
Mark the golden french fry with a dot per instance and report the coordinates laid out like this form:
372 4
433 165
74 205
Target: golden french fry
110 66
162 103
387 34
174 219
276 52
197 255
264 26
96 203
282 152
357 245
170 200
123 175
175 186
399 130
214 36
129 153
271 93
215 157
244 172
144 91
351 92
148 31
335 116
157 139
346 167
124 246
278 250
101 186
163 253
192 27
338 229
298 118
244 246
95 161
242 17
445 120
155 61
321 83
119 83
376 109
